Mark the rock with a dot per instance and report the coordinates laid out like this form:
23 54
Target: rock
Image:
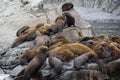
83 26
1 71
24 2
70 33
68 65
12 57
26 45
92 66
36 4
52 12
17 70
47 73
9 62
3 46
69 75
5 77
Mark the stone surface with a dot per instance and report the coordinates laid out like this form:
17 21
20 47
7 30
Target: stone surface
5 77
17 70
15 14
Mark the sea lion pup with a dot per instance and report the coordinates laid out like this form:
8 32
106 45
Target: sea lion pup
36 63
70 19
67 6
67 51
59 25
28 35
56 64
21 30
79 61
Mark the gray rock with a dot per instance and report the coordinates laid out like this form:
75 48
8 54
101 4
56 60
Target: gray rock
17 70
92 66
12 57
70 33
1 71
5 77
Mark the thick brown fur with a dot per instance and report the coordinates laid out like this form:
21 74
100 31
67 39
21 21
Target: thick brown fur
35 64
21 30
67 6
67 51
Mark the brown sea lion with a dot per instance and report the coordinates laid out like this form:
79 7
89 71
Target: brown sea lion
67 51
59 25
28 35
36 63
21 30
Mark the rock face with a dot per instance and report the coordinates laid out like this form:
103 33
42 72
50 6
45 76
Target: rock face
111 6
16 14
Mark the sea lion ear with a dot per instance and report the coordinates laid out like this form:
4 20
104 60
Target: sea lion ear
44 48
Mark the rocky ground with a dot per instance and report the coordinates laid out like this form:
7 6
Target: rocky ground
15 14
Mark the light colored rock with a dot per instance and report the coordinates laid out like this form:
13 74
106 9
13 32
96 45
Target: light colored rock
17 70
1 71
5 77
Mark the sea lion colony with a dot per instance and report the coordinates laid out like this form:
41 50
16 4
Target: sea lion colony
60 50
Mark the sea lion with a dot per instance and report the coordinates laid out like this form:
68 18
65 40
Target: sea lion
79 61
56 64
36 63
